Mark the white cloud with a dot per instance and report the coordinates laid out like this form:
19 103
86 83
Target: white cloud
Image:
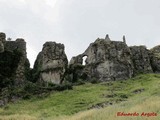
51 3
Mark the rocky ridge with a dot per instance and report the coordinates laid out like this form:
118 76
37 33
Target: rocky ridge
114 60
104 59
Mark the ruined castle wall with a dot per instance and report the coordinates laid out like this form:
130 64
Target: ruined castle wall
16 45
18 49
107 60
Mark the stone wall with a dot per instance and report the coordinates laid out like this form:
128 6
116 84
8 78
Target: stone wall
15 54
19 44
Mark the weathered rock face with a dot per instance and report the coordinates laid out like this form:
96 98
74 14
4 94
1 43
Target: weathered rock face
1 47
77 60
106 60
76 70
155 58
141 59
20 47
2 37
51 63
14 64
2 41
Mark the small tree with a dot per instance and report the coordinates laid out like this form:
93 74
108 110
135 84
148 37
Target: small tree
9 39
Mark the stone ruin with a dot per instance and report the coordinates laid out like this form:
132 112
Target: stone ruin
103 60
106 60
8 51
114 60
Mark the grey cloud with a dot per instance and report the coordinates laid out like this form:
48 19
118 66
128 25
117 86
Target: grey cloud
77 23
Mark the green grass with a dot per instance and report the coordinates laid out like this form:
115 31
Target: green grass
139 94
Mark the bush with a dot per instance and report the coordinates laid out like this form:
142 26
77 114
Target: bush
27 96
5 82
8 64
94 81
123 96
63 87
80 82
30 87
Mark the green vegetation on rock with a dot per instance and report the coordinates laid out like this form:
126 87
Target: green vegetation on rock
8 64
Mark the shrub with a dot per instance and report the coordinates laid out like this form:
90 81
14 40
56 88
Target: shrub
94 81
63 87
80 82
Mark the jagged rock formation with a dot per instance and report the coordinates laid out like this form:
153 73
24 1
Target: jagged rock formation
51 63
141 59
14 64
114 60
155 58
106 60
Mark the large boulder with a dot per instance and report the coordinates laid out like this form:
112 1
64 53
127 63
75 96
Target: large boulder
141 59
51 64
155 58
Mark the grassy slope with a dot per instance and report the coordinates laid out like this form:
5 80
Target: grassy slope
64 105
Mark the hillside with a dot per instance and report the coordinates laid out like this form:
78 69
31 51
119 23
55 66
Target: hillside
99 101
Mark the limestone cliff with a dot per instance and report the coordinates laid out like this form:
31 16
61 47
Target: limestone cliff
51 63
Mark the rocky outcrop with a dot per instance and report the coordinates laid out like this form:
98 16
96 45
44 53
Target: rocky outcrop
103 60
141 59
51 63
106 60
155 58
114 60
14 64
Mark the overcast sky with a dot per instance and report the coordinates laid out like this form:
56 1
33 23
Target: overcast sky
77 23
